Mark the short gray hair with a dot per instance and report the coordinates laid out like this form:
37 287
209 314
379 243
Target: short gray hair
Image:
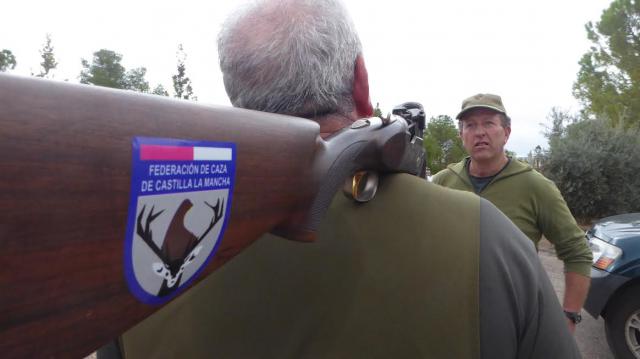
294 57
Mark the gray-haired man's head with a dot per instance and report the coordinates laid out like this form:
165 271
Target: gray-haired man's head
290 56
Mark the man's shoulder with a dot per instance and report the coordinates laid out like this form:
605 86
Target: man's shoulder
539 184
442 176
424 192
412 197
531 177
450 173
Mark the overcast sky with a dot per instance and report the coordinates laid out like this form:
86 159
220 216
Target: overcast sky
434 52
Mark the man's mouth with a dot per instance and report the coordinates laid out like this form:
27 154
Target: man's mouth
481 144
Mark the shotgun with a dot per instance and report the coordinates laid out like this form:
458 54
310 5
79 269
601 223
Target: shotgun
113 202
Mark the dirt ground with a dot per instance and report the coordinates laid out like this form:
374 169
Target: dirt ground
589 334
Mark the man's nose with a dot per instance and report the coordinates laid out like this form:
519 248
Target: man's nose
480 131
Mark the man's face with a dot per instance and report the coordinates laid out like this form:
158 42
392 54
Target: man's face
482 134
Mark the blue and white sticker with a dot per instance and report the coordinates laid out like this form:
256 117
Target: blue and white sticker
180 203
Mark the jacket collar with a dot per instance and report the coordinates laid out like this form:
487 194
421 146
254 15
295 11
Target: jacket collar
514 167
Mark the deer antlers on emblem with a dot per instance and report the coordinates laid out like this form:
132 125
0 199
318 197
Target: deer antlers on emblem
180 246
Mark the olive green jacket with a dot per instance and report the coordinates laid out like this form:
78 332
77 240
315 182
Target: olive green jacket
534 204
401 276
361 290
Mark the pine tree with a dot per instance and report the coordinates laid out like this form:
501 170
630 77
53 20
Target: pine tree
106 70
181 82
608 83
48 59
159 90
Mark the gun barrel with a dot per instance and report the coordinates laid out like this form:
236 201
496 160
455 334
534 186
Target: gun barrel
65 189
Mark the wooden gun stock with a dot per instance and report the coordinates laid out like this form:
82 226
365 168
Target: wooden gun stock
65 190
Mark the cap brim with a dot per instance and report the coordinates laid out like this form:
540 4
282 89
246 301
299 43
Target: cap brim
479 106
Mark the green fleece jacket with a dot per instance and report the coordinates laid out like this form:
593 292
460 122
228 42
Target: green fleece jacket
534 204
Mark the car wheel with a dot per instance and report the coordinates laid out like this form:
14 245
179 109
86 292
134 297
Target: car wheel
622 324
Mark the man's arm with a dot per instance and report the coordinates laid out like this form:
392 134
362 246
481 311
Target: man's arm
576 287
560 228
520 315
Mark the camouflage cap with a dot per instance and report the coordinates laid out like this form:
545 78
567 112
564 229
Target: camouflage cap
482 100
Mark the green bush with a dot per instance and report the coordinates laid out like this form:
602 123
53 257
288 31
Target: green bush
597 168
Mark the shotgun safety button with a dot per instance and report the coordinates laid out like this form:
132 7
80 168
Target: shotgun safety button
388 120
360 124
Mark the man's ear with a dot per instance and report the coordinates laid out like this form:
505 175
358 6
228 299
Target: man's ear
361 100
507 133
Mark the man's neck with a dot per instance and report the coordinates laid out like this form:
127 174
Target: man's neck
330 124
487 168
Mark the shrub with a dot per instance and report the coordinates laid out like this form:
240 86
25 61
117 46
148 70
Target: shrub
597 168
